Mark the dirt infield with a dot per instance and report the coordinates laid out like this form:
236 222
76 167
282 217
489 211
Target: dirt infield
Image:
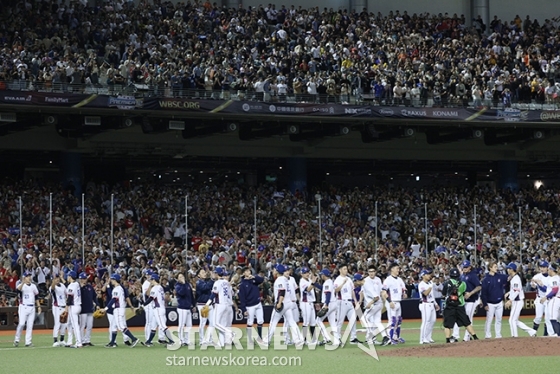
482 348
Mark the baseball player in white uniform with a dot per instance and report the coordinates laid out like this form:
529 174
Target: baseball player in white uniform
148 312
428 307
373 308
392 294
156 301
222 300
307 304
538 282
26 311
291 292
515 298
58 296
330 302
344 291
555 312
118 302
74 308
549 300
283 304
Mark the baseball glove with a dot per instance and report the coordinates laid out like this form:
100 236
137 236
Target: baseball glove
324 310
139 310
280 308
205 311
64 317
98 313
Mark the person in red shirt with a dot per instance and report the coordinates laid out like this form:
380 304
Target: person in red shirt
10 279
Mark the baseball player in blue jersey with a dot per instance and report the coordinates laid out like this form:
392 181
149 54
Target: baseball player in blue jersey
185 303
538 282
250 303
470 277
58 296
492 295
89 304
204 286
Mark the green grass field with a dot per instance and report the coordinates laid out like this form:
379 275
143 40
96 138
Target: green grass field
43 358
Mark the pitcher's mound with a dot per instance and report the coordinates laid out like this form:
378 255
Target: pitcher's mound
541 346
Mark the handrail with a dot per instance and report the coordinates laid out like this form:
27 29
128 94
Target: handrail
141 90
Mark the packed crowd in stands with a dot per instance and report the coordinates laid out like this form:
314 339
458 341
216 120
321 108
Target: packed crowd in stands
273 52
149 231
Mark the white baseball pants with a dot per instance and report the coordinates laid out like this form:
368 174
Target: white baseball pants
74 325
86 325
333 324
346 309
26 315
223 318
288 321
185 324
372 320
428 312
514 321
202 323
494 310
255 311
59 328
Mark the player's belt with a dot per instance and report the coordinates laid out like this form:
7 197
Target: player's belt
348 300
29 305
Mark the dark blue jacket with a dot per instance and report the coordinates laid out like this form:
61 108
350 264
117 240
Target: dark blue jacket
185 295
493 287
472 282
88 299
249 293
203 290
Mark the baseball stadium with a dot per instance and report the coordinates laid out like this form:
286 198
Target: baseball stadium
246 187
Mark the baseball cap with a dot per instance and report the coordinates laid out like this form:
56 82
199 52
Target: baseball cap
83 275
543 264
72 274
424 272
27 274
155 277
358 277
454 273
466 264
281 268
116 277
304 270
326 272
511 266
220 271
